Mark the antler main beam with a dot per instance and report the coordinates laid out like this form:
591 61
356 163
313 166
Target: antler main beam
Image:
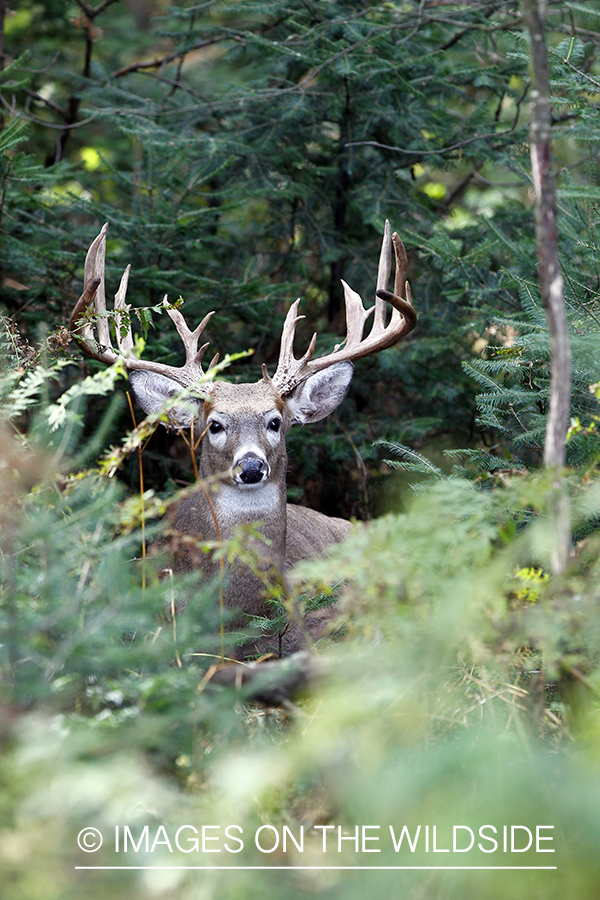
93 299
291 371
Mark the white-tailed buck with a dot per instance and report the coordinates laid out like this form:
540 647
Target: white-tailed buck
241 428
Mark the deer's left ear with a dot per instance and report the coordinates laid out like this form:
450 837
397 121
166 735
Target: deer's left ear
321 393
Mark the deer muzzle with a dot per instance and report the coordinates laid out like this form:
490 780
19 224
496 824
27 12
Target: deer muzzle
251 469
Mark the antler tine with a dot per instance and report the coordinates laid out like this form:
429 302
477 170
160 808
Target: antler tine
291 372
383 276
102 350
125 340
401 265
189 338
288 332
356 316
93 290
288 367
95 267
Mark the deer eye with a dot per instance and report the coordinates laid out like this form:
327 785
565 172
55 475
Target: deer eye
215 427
274 424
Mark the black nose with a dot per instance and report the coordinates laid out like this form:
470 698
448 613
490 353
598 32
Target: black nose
252 470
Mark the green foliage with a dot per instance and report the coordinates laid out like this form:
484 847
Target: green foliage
436 685
257 161
515 378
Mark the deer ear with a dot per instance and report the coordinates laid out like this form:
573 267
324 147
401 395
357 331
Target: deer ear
321 393
152 391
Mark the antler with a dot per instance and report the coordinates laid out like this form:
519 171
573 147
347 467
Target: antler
103 350
291 371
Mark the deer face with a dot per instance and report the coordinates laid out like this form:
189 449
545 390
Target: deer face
243 426
244 434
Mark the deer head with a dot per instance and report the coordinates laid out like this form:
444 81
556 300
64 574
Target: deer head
244 425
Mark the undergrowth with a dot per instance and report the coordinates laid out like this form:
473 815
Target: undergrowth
465 690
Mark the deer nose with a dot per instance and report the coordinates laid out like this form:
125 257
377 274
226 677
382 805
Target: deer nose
251 470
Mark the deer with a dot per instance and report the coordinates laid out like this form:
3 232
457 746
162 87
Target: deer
240 429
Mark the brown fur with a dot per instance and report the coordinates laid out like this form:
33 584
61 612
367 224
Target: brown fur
291 533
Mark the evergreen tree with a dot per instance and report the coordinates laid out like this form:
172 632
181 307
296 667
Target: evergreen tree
244 154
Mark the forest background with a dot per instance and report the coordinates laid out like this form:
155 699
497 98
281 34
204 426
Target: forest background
245 154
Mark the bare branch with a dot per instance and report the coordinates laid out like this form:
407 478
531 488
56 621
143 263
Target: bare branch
449 149
27 117
92 13
46 100
170 57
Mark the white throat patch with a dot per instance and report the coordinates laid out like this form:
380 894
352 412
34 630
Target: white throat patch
253 501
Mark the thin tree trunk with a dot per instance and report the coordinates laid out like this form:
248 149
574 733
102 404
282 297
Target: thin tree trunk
2 15
550 278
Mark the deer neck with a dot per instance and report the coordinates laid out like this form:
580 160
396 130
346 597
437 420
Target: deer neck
239 504
236 504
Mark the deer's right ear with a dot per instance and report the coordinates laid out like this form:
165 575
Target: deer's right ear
152 391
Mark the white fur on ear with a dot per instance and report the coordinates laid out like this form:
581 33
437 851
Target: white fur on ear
321 393
152 391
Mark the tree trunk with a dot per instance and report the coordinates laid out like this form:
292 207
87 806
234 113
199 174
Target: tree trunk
550 279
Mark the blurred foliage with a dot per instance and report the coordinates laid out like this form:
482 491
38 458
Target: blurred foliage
245 153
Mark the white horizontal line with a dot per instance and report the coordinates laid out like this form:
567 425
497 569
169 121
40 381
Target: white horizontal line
318 868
